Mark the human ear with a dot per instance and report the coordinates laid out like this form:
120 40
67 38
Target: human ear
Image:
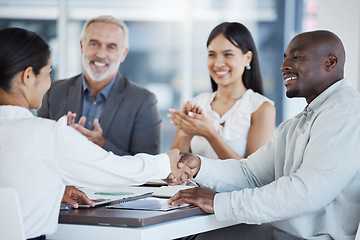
28 76
124 54
81 47
248 56
331 62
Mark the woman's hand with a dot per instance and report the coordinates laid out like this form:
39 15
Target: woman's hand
191 121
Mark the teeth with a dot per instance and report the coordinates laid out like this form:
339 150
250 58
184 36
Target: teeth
99 64
221 73
290 78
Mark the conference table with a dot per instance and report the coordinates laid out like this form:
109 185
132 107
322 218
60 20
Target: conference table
120 224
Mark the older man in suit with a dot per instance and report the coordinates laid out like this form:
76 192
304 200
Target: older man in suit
110 111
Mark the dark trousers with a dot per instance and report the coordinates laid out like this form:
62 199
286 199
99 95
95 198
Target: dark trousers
42 237
246 232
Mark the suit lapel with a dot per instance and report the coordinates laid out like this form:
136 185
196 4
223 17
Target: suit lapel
112 104
75 101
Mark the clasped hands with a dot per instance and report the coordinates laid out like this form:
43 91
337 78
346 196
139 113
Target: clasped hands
187 167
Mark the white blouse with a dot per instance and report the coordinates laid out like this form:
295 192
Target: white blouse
237 122
38 157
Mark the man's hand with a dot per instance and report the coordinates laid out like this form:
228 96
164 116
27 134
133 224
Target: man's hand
192 161
95 136
191 164
198 196
179 171
71 119
74 197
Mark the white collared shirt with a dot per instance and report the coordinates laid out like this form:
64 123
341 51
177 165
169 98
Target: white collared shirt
233 126
38 157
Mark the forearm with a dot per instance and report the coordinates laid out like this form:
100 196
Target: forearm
224 176
180 142
222 149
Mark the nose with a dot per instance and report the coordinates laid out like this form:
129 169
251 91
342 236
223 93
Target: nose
285 66
101 53
219 62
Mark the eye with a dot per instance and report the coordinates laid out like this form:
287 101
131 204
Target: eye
112 47
228 54
211 55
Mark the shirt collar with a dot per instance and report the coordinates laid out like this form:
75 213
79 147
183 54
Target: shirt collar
14 112
105 92
319 100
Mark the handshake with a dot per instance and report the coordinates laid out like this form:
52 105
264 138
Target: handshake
183 166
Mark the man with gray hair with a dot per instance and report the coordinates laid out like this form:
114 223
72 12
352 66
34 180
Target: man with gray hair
103 105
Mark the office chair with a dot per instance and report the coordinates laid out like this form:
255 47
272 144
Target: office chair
11 225
357 236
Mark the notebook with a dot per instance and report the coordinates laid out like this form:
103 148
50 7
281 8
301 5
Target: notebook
150 204
169 191
113 195
158 201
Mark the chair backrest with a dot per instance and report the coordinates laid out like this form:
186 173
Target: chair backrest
357 236
11 225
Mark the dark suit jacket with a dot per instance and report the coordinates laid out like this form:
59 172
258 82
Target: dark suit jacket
130 119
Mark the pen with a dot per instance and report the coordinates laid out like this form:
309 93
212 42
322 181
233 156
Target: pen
193 182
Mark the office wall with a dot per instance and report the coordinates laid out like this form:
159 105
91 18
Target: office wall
343 18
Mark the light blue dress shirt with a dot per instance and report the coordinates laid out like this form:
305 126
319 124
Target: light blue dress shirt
92 108
306 180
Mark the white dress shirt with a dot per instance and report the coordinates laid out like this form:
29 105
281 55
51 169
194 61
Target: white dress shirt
233 126
38 157
306 180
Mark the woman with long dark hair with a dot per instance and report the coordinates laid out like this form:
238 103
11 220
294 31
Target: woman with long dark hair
235 119
38 156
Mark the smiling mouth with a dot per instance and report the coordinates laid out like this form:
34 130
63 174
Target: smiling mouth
221 73
99 64
290 78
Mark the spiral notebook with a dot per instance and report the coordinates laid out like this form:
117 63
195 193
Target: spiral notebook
113 196
149 203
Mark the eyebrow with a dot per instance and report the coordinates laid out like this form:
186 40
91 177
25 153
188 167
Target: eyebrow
227 50
294 50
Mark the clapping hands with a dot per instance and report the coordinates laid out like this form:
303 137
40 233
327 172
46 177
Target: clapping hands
95 136
191 121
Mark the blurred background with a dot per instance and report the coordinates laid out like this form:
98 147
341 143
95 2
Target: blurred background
167 38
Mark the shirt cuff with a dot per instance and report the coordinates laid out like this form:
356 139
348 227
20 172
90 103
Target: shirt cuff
202 173
222 206
164 164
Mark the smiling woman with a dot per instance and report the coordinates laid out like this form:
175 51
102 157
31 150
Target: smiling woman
235 119
38 149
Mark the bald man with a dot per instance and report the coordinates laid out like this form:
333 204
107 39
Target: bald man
305 183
